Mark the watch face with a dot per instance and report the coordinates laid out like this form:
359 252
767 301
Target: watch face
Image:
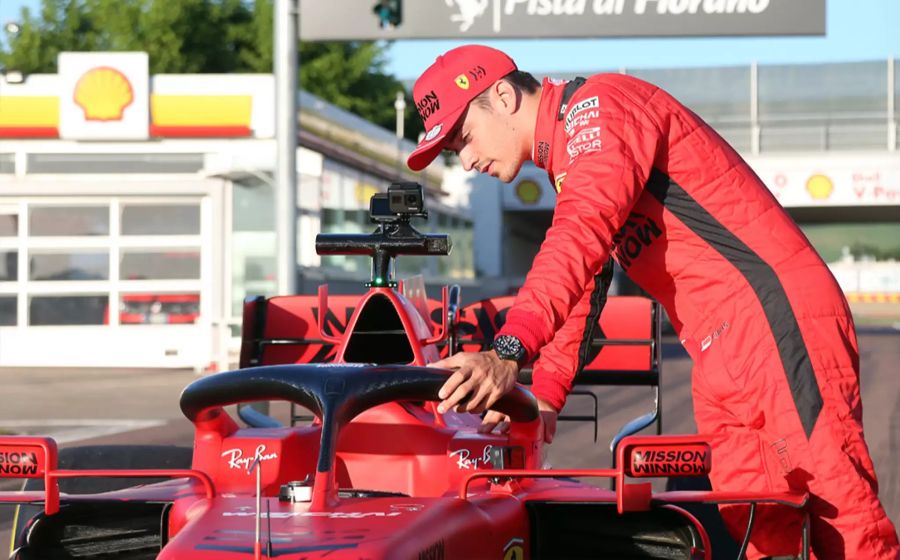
509 348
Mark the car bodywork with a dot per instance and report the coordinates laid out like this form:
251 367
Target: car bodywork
377 473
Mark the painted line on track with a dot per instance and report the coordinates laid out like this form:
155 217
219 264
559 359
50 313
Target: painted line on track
65 430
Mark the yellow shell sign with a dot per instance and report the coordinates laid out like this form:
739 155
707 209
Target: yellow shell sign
103 93
819 187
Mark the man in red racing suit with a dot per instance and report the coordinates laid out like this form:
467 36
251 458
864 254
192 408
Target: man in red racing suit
643 179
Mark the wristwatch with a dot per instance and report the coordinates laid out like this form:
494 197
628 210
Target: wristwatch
509 347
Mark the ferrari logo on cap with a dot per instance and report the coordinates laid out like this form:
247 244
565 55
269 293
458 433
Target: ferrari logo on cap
462 81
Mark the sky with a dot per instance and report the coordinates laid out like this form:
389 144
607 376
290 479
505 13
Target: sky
855 30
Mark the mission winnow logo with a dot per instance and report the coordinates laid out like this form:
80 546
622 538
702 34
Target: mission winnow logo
18 462
687 460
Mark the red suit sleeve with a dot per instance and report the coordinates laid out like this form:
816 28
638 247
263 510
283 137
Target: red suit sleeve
599 189
555 369
569 350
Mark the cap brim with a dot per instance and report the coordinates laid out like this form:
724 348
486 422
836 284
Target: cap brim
427 150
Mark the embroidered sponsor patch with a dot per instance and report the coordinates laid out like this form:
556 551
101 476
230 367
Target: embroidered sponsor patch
589 103
581 120
543 154
557 184
586 141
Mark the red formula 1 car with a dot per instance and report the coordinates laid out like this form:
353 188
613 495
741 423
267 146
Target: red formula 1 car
375 472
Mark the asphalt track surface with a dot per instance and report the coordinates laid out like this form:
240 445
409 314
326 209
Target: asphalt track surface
106 406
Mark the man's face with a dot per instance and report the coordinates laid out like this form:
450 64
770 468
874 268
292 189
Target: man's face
486 140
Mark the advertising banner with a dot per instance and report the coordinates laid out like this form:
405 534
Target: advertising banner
497 19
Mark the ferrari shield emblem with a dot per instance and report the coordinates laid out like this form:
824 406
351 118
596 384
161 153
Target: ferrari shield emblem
513 550
462 81
559 182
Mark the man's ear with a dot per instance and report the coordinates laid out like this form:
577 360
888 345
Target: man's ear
506 97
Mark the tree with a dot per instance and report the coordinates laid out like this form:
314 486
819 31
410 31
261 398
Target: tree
206 36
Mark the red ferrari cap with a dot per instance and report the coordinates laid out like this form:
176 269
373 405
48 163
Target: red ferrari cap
445 89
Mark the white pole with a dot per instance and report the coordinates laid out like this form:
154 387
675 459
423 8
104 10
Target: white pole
286 90
755 129
891 109
400 106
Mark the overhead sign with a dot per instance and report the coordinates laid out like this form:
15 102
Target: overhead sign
487 19
104 96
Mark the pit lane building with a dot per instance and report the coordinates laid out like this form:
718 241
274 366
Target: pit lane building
136 211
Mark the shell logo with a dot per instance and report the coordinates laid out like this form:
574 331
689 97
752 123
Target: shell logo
819 187
103 93
528 191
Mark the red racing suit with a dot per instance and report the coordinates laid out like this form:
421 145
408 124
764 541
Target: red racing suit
776 377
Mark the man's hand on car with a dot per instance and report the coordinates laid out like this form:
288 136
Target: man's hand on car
499 422
480 379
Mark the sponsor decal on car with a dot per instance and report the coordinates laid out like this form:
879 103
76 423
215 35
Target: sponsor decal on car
18 462
465 461
589 103
236 459
514 550
683 460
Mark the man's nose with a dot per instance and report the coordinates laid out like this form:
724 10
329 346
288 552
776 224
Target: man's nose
467 158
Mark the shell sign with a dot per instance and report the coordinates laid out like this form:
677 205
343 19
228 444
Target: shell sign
104 96
103 93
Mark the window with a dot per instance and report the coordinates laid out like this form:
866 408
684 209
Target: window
9 224
7 311
115 163
68 310
68 220
9 265
159 309
180 264
160 219
7 163
75 265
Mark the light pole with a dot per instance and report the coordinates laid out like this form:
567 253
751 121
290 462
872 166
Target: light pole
400 106
287 12
12 76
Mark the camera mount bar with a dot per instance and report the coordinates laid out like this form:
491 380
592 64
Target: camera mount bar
387 242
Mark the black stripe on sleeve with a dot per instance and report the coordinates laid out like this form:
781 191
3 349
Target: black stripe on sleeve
598 302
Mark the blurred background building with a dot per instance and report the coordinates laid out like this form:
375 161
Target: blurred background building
823 137
138 238
137 211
